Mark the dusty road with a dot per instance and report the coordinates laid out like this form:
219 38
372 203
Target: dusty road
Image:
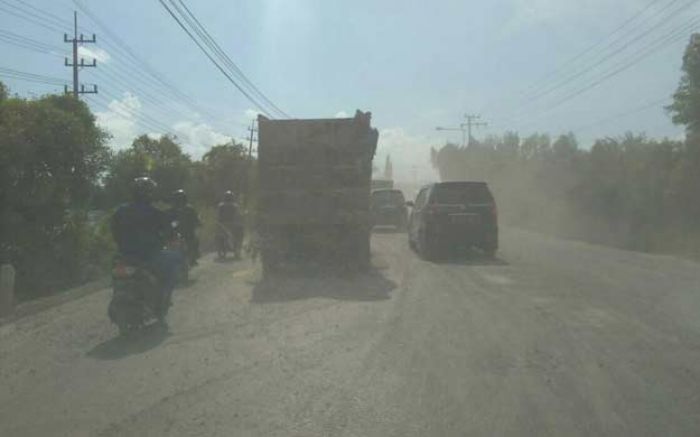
556 338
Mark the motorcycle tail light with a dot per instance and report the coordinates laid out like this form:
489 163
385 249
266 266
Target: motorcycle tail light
123 271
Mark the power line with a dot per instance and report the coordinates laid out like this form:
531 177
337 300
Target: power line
670 38
48 17
609 52
222 55
19 39
31 77
633 111
102 103
50 21
106 75
152 75
674 35
210 57
157 82
31 20
634 39
133 113
544 81
112 77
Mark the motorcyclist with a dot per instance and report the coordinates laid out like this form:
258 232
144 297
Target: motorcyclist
187 222
140 231
230 220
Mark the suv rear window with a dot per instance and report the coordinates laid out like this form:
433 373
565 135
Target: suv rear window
461 194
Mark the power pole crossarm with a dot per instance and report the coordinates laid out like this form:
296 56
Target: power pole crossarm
472 123
77 88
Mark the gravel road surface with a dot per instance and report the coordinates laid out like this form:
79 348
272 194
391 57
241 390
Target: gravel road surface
553 338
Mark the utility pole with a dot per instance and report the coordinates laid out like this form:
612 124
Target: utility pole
77 87
251 137
471 123
460 129
252 129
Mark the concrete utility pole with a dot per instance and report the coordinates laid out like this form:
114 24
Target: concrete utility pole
252 129
471 123
249 165
77 88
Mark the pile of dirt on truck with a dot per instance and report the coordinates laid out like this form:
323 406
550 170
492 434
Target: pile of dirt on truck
314 188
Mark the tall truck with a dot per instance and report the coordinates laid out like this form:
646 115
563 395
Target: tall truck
314 185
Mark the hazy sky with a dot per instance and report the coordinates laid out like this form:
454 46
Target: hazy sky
415 65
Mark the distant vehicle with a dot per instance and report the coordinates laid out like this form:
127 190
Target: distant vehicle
382 184
451 215
314 178
389 208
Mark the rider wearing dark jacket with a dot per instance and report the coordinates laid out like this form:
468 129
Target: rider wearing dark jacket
140 231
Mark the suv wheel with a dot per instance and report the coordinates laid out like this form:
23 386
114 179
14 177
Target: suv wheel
427 248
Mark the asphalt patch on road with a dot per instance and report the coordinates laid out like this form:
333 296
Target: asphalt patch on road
369 286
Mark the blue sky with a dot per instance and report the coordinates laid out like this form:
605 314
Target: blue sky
415 65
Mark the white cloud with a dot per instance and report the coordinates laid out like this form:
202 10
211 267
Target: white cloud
341 114
120 120
90 53
197 138
251 114
410 154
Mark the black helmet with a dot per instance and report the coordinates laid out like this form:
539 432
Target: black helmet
143 188
229 196
179 196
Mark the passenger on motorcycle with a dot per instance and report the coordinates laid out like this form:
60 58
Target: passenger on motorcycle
187 222
230 223
140 231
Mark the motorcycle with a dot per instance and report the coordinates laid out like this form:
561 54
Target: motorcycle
136 299
177 243
223 241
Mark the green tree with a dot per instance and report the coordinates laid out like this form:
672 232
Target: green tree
3 92
685 108
223 167
160 158
51 157
565 146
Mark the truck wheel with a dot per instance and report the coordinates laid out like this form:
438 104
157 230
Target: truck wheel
490 252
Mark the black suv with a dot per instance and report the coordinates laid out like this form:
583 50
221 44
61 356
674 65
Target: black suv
448 215
389 208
